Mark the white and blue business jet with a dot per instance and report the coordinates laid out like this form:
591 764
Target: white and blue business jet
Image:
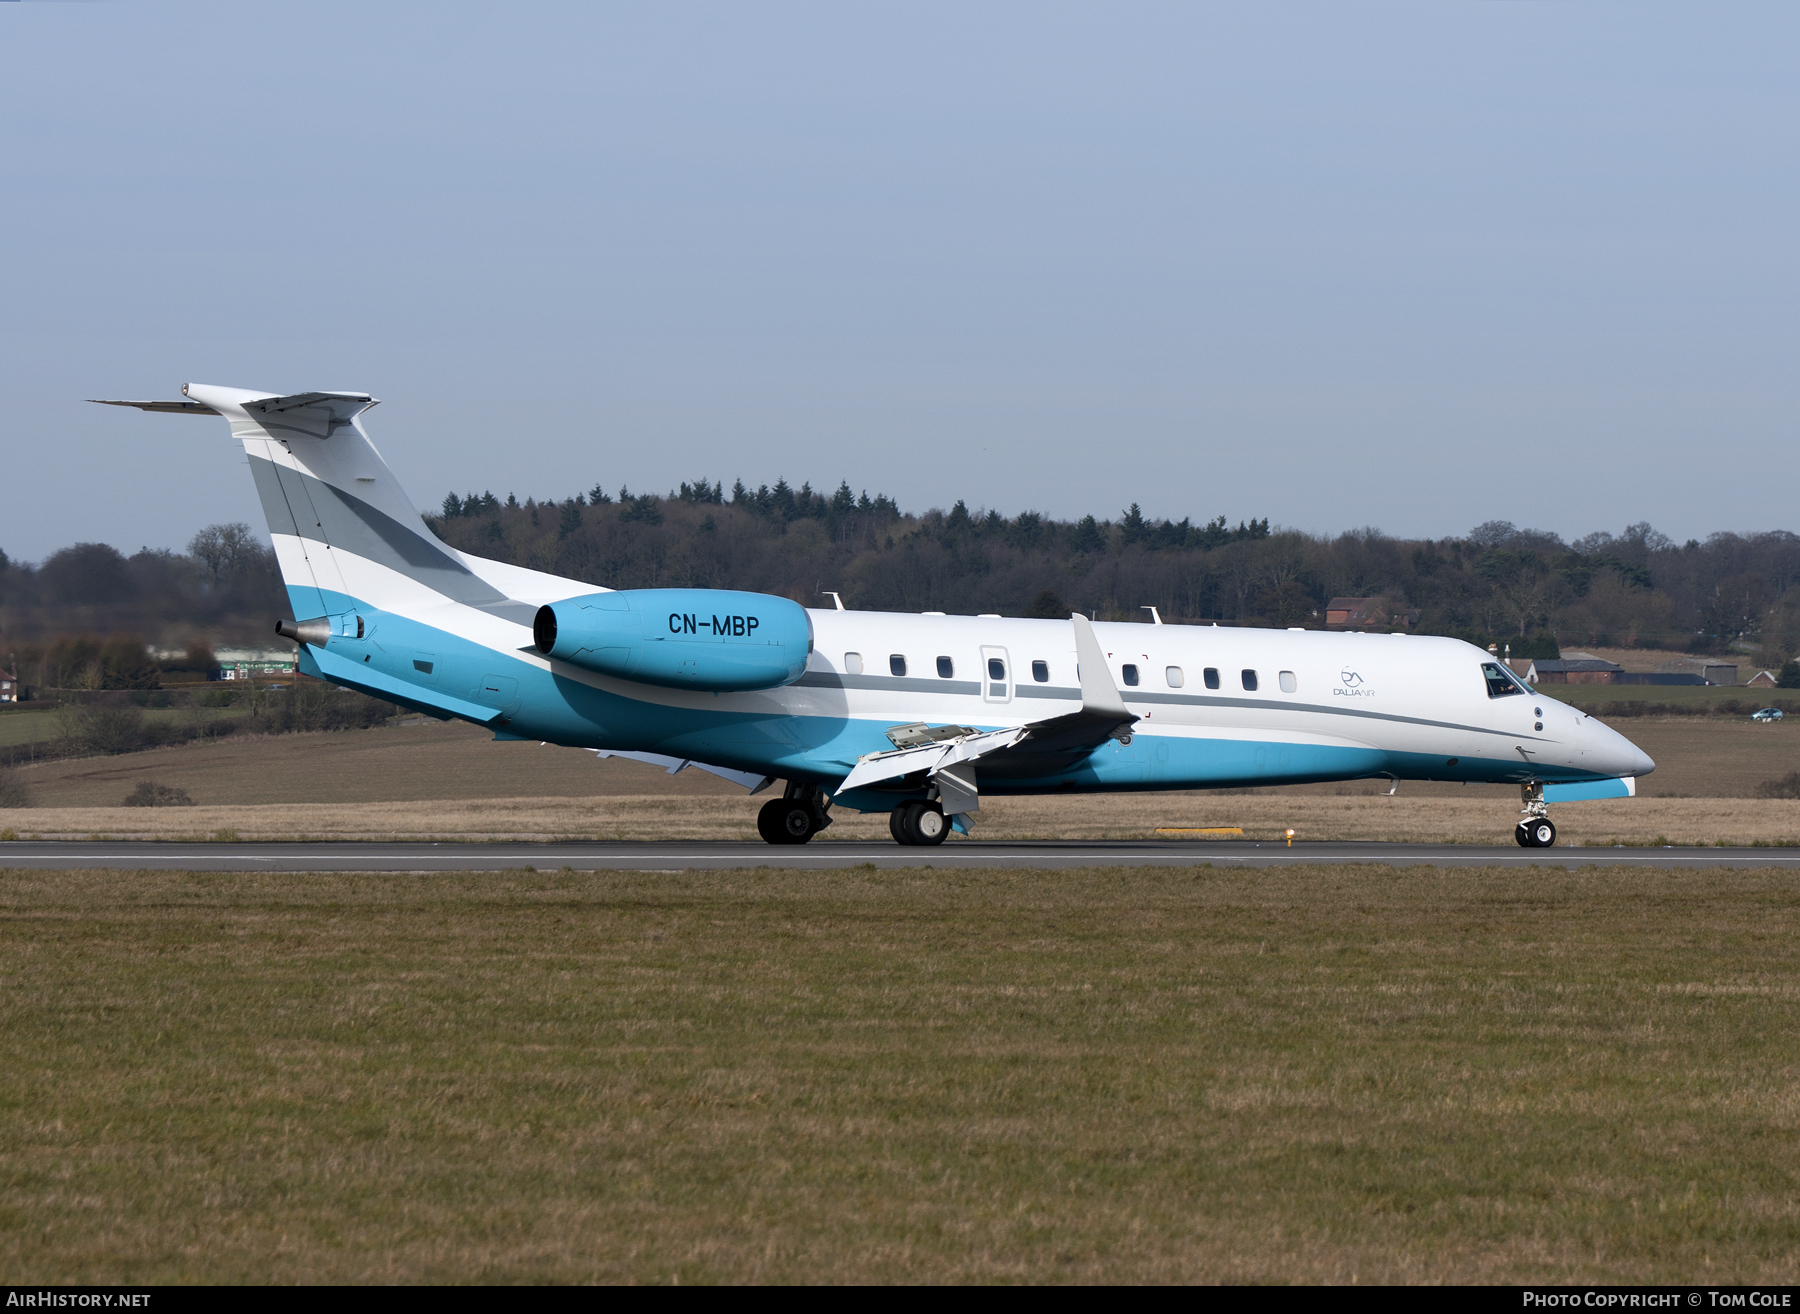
915 716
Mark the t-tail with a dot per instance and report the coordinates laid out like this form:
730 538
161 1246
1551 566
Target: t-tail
351 545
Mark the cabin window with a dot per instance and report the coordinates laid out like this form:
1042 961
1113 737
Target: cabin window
1288 683
996 669
1173 676
1249 681
1500 682
946 668
853 663
897 664
1130 674
1040 671
1211 676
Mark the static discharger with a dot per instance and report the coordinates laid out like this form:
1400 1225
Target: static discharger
1200 830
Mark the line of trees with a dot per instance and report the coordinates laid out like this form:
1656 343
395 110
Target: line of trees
1497 583
85 617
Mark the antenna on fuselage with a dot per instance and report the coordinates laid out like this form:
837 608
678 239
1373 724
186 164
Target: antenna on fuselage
827 593
1155 615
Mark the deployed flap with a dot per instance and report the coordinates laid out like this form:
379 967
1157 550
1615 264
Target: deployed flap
929 758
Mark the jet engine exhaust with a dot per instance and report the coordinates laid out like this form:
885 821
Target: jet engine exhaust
315 631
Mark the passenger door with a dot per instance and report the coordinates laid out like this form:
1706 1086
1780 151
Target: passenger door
996 676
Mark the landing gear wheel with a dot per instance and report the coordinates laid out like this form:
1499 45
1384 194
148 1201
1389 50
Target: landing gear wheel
1538 833
896 824
787 821
924 824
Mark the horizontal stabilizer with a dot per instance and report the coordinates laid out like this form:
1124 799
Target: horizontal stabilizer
301 400
168 407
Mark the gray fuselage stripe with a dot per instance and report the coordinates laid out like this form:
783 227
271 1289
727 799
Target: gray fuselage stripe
832 680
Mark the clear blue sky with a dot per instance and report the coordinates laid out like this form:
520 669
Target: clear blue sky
1411 265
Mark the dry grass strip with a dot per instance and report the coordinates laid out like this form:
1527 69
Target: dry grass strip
1474 816
1311 1074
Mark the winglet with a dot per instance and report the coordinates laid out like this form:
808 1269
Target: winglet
1098 692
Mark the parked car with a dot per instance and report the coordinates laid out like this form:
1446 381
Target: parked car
1767 714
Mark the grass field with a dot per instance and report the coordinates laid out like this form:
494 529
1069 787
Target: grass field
1698 758
1315 1074
42 727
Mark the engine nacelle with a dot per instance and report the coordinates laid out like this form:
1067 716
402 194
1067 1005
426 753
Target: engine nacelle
715 640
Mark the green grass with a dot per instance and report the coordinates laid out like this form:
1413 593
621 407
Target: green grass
43 727
1312 1074
26 727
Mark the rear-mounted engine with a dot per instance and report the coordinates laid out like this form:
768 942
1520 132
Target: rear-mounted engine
714 640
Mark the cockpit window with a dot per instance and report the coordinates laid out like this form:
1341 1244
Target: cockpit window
1501 682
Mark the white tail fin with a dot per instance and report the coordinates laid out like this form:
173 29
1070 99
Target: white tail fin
344 530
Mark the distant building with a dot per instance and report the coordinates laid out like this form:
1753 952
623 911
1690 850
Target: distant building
244 663
1708 669
1579 670
9 687
1763 680
1353 613
1660 677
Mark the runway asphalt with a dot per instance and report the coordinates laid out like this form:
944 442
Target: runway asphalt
686 856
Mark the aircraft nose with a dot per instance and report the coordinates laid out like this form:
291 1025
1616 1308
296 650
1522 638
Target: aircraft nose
1618 756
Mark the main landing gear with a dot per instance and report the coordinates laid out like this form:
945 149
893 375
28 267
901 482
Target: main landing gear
1536 830
794 818
919 822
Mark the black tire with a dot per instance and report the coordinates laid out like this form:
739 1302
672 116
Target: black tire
926 824
1543 833
787 821
897 824
1523 836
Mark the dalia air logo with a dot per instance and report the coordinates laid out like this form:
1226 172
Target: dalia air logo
1350 685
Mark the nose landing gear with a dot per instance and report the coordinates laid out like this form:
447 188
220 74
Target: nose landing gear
1536 831
1539 834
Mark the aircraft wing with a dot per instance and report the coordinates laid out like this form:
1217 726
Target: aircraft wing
1020 749
676 765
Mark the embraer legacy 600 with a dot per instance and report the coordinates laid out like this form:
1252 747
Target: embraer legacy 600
915 716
